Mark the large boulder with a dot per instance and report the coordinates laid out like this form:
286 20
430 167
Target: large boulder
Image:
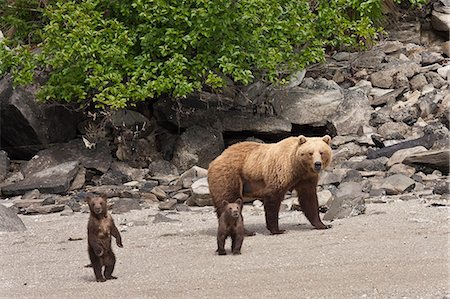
26 126
440 16
313 103
197 146
243 113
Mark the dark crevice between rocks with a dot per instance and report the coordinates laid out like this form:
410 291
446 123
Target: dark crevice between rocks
272 137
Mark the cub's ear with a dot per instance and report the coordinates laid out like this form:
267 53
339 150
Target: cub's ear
224 203
88 199
239 201
327 139
104 196
301 139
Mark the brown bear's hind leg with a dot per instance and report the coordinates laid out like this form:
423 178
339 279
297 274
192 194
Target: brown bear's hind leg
272 209
307 197
96 265
110 262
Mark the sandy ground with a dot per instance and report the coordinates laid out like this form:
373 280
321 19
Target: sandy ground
395 250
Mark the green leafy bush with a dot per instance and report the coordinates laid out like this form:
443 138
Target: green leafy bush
116 53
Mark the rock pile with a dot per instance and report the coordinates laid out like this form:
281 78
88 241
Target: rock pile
387 109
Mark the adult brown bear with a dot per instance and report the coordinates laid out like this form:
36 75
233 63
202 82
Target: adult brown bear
268 171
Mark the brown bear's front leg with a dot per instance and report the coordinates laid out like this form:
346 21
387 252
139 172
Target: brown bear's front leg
236 243
221 244
272 209
307 198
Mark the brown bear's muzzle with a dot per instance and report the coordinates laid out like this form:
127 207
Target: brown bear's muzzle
317 166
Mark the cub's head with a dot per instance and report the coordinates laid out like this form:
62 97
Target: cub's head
314 152
232 209
97 204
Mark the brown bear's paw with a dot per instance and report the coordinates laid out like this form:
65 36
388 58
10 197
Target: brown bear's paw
277 232
111 277
236 252
101 279
221 252
249 233
323 226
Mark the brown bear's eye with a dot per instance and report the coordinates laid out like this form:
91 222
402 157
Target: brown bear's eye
310 154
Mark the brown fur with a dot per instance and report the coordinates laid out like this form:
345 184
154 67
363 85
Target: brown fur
268 171
100 229
231 224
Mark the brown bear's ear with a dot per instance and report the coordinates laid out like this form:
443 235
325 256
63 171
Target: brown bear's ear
224 203
239 201
104 196
88 199
327 139
301 139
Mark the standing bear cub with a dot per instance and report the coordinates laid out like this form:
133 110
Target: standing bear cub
268 171
231 224
100 229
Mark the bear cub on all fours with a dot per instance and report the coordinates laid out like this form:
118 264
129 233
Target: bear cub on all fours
231 224
100 229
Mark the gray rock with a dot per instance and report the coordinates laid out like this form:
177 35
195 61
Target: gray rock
440 16
397 184
159 193
98 158
200 193
344 56
124 205
435 79
324 197
56 179
389 96
130 119
9 221
432 159
418 82
45 209
256 123
352 113
401 169
28 126
367 165
390 47
392 76
197 146
168 204
386 129
160 218
444 71
369 59
4 165
348 202
429 58
191 175
161 168
313 103
400 155
441 187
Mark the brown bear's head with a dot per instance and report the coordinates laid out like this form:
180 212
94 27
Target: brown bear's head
233 209
314 152
97 205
